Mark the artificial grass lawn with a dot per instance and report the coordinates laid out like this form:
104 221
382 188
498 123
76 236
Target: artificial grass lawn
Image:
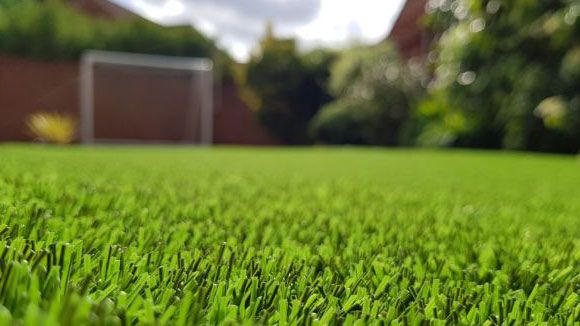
287 236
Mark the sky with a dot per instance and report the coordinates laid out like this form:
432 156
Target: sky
237 25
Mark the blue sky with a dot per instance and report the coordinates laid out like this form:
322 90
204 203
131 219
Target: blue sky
237 25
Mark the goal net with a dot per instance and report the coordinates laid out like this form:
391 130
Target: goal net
137 98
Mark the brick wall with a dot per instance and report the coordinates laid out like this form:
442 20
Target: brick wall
411 39
129 107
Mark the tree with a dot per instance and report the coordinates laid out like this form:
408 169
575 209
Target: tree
284 88
375 93
506 75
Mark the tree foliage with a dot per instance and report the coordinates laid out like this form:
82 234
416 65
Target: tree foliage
52 30
286 88
375 92
506 75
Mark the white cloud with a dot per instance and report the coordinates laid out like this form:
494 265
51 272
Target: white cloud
340 22
239 24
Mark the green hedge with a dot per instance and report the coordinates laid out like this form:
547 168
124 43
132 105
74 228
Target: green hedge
51 30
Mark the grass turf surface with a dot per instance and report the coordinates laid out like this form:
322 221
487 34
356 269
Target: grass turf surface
287 236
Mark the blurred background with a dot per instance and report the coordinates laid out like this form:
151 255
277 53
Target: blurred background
444 73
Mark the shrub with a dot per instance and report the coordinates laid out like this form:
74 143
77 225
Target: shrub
342 122
285 88
498 61
378 88
44 30
437 123
52 128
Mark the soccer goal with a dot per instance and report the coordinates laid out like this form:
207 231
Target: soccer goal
138 98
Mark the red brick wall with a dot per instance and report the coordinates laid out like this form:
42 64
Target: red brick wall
27 87
407 33
128 107
235 123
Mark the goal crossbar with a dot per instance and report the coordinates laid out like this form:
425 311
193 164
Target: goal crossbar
204 86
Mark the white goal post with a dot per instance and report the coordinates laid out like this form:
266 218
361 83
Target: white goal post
201 84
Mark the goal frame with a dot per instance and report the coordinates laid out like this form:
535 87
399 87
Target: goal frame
203 84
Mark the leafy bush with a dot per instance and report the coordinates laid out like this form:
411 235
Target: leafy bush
436 122
52 128
378 88
54 31
342 122
286 88
497 61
